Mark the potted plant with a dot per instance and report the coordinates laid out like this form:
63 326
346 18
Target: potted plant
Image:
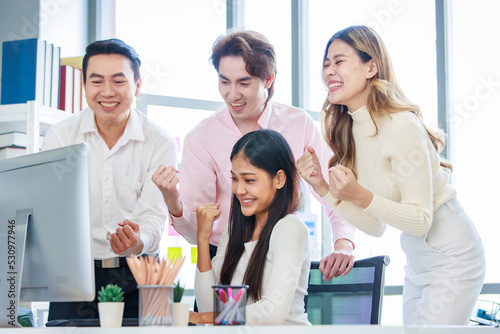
110 306
180 310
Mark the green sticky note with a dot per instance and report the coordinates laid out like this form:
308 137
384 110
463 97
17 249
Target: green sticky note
174 253
194 254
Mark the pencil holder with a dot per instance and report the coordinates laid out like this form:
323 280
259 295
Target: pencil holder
155 305
230 304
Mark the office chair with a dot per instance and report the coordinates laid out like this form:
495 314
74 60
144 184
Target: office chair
352 299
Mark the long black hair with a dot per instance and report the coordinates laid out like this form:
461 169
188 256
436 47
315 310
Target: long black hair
269 151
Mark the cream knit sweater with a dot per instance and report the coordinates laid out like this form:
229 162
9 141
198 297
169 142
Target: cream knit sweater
401 168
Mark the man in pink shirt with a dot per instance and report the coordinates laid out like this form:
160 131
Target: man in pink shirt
246 64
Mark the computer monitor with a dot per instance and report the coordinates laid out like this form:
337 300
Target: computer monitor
52 185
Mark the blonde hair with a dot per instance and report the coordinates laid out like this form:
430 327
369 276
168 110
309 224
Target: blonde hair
385 97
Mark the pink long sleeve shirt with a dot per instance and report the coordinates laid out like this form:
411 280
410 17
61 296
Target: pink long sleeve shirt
205 172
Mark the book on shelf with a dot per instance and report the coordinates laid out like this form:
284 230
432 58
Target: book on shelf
47 74
77 90
51 87
23 71
79 97
83 100
71 91
15 139
11 152
55 77
66 88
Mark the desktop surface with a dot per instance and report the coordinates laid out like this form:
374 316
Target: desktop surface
318 329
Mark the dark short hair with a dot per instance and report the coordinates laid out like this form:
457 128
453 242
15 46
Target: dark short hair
257 53
112 46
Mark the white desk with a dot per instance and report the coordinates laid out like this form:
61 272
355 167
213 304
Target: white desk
263 330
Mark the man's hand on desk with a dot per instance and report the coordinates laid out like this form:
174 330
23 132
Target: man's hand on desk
126 240
340 262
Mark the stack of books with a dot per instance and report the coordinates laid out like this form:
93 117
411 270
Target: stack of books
13 144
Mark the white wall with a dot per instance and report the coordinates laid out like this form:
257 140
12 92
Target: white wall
64 23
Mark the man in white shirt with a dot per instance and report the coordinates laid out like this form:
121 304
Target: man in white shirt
125 148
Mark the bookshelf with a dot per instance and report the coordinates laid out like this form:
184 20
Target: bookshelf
32 118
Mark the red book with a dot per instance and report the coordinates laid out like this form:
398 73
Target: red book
66 89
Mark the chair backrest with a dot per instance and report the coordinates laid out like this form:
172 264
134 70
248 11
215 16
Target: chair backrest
355 298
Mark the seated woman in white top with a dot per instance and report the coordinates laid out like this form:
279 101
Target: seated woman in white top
264 246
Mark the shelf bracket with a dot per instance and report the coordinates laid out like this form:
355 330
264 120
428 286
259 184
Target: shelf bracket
33 128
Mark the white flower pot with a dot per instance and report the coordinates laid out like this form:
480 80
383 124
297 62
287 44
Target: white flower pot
110 313
181 314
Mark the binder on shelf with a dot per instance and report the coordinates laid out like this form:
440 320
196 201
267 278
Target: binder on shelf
83 100
77 90
66 88
54 83
23 70
47 74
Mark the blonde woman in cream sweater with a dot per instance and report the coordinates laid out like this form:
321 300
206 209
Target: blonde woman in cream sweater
387 171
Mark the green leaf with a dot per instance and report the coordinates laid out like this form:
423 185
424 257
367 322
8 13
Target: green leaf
178 292
110 293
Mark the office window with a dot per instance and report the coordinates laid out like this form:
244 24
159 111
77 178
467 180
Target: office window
174 39
272 18
475 119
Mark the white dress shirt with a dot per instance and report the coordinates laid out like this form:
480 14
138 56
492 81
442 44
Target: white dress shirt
120 178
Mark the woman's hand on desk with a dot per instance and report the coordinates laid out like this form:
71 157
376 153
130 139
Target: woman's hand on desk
201 318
